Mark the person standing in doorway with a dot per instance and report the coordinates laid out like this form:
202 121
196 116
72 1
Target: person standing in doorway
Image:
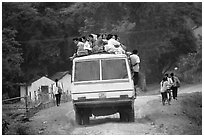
135 61
175 85
57 90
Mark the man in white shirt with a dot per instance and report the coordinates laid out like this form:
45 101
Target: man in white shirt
57 91
113 45
135 61
169 82
87 45
80 47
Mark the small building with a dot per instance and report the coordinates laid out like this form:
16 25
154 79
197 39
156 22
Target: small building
36 86
64 78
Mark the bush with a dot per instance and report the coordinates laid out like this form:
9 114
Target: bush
4 126
21 130
190 66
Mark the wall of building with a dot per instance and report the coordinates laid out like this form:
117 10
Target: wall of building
23 91
66 81
35 88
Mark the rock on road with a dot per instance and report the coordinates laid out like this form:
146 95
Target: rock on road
150 118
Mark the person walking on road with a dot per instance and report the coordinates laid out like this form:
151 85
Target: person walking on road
164 90
169 90
175 85
57 90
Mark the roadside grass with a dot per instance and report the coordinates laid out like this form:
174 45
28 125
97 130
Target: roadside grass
154 89
192 106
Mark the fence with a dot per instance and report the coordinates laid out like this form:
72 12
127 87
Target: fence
27 106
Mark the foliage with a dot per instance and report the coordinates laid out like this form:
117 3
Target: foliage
4 126
190 66
11 59
40 34
45 32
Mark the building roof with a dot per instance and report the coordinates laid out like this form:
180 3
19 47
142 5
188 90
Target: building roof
59 75
32 80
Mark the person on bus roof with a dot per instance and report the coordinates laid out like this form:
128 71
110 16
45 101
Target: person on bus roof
87 45
80 47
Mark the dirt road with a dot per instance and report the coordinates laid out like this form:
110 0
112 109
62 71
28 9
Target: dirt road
183 116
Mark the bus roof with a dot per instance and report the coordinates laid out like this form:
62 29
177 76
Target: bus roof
100 56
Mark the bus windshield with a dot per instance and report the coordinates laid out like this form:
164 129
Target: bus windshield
110 68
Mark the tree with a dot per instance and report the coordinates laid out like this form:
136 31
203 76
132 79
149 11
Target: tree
41 35
11 60
45 32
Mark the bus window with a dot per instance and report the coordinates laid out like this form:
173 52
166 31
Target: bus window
114 69
87 71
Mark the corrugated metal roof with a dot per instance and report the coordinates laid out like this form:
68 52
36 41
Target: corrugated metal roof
59 75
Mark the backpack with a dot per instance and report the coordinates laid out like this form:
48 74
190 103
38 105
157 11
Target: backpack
59 90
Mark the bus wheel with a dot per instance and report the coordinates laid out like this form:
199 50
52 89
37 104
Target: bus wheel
131 113
85 117
78 117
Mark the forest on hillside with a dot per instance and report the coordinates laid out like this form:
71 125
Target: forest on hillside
37 36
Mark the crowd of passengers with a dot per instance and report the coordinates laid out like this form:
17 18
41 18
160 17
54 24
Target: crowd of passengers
98 43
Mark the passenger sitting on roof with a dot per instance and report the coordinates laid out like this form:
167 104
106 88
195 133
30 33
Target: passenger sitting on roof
104 38
80 47
87 45
115 37
109 47
113 46
99 44
118 39
91 40
94 36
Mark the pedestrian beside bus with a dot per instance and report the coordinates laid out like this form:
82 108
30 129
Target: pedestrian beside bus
135 61
175 85
57 91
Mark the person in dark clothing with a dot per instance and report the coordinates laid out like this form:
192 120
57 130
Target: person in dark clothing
57 90
175 85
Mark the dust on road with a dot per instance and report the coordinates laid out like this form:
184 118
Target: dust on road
183 116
